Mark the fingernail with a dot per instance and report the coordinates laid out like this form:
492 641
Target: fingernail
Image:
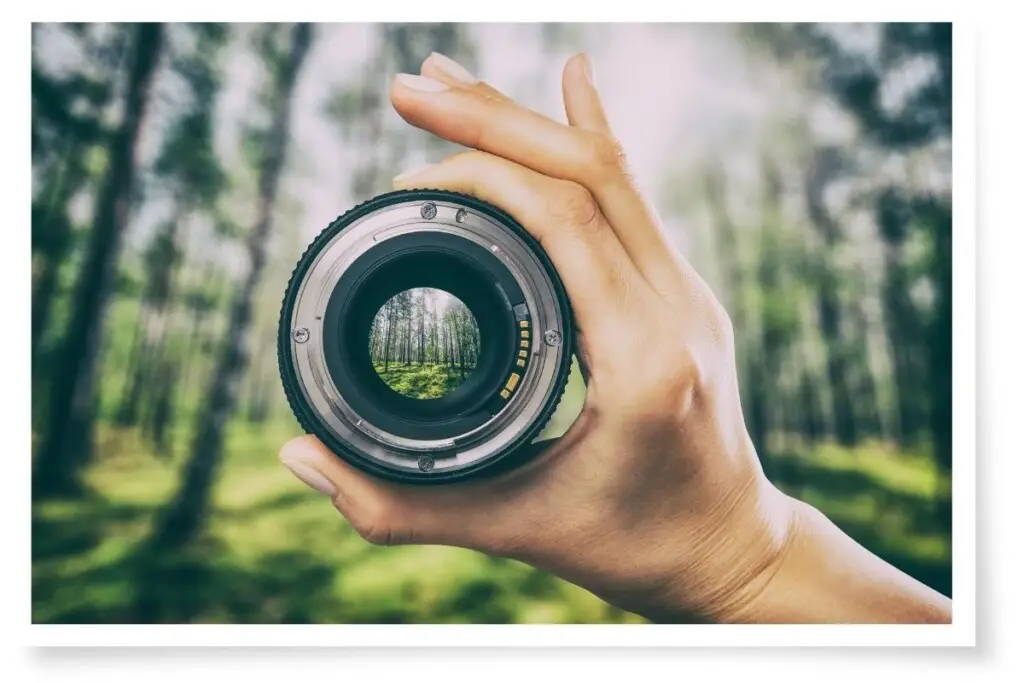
453 68
405 175
308 475
421 83
588 68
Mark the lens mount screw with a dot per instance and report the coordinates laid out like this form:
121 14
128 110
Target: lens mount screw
426 463
460 216
428 211
552 338
301 335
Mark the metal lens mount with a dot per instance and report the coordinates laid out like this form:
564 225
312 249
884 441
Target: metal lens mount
469 249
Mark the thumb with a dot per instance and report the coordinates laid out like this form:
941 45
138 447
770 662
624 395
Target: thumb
384 513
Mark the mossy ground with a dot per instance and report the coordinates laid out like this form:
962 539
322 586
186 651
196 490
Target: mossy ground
422 381
274 551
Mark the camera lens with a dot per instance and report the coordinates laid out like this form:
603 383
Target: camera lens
425 337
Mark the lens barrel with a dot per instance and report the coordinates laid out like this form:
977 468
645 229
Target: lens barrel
461 246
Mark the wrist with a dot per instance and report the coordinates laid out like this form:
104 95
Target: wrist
731 565
821 575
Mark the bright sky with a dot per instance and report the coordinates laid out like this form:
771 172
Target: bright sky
671 92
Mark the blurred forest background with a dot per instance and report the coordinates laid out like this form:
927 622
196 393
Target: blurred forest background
179 170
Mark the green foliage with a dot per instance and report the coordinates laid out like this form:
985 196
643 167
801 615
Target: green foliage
779 253
431 380
276 552
187 159
888 500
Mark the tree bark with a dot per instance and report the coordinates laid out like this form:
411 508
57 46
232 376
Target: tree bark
183 519
72 392
57 229
131 393
389 313
823 168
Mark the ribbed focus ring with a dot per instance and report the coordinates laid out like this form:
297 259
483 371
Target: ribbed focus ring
311 420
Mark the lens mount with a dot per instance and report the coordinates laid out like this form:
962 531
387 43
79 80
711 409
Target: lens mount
444 241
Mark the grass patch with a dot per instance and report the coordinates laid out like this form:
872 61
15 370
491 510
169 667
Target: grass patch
422 381
275 552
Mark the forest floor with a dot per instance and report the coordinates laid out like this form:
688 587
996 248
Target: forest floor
275 551
432 380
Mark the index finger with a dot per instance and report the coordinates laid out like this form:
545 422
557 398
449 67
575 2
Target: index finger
590 158
598 276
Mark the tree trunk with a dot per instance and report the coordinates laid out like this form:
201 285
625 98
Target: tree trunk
387 336
183 519
423 331
162 415
54 225
131 394
72 392
749 358
903 326
865 388
822 169
57 232
451 341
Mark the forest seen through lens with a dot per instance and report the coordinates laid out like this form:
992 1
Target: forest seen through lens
424 343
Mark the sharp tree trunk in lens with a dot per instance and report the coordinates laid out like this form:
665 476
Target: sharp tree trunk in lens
389 316
73 394
182 520
434 357
422 309
462 345
451 340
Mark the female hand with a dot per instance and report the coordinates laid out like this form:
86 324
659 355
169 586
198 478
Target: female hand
654 499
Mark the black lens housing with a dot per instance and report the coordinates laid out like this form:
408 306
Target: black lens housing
444 260
460 268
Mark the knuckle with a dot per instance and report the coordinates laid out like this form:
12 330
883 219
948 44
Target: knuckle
722 330
663 382
468 164
604 156
468 158
575 207
684 376
375 528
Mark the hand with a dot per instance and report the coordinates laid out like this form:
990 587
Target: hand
654 499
